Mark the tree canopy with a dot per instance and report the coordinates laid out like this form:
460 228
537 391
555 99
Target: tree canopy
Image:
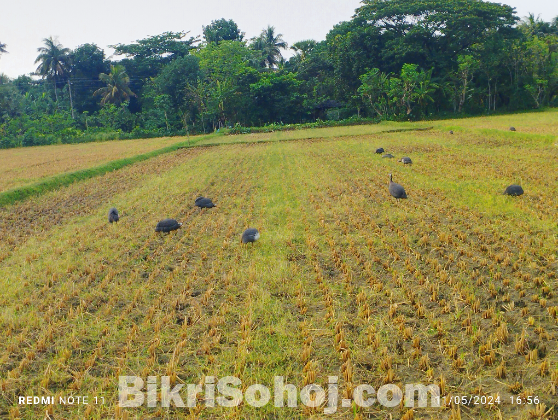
116 90
53 59
269 45
222 30
393 60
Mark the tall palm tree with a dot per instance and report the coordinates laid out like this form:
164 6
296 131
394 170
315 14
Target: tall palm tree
270 46
304 48
538 27
117 90
2 48
54 61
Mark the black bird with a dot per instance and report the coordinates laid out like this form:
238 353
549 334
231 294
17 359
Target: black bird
514 190
388 155
113 215
451 131
395 189
380 150
406 160
512 128
204 203
250 235
167 225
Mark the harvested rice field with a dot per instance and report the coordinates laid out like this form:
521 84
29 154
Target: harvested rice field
454 287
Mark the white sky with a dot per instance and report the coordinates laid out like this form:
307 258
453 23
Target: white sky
25 23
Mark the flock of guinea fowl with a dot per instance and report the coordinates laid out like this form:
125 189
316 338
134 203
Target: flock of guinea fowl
251 235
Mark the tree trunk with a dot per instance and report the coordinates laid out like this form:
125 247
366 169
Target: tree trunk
71 102
55 92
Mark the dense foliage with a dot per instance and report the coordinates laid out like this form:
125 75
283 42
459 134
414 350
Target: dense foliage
394 60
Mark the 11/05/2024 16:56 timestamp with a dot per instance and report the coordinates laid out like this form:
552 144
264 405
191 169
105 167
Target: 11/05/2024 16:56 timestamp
469 400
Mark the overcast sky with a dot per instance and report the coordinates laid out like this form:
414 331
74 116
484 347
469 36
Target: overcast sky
25 23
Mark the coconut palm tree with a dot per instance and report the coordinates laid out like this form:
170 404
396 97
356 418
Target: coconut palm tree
117 90
54 61
2 48
304 48
270 46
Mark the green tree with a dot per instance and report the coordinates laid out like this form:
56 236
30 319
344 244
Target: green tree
10 100
459 84
353 48
535 26
270 45
304 48
3 48
432 33
165 95
276 98
312 66
222 30
175 77
161 48
145 58
226 72
541 68
54 62
88 61
116 90
115 117
413 88
375 90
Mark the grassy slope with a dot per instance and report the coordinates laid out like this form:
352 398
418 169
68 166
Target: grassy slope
339 266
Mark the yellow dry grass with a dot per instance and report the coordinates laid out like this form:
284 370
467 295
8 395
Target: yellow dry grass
455 286
26 165
544 122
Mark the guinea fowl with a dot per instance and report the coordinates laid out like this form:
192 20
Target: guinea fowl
395 189
204 203
113 215
388 155
406 160
514 190
380 150
250 235
167 225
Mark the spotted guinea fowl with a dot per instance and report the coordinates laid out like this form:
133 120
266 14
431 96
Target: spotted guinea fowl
113 215
380 150
204 203
514 190
406 160
388 155
512 128
395 189
167 225
250 235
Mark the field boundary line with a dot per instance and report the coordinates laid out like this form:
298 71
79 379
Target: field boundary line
396 130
